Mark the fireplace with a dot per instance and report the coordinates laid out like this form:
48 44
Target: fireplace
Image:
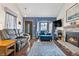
73 38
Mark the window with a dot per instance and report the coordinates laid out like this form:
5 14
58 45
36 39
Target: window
43 26
11 21
50 27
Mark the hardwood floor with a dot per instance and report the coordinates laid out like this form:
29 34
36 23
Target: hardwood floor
25 50
66 51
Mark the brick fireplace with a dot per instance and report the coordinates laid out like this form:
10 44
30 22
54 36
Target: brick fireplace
73 38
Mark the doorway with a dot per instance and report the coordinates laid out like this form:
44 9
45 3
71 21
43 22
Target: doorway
28 27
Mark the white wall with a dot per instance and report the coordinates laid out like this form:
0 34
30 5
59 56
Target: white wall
62 15
2 17
13 8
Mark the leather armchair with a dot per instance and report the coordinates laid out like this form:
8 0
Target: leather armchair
10 34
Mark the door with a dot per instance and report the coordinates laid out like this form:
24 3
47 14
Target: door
28 27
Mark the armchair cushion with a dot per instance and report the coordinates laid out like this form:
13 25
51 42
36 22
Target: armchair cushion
42 32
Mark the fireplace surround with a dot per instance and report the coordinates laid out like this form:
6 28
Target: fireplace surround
73 38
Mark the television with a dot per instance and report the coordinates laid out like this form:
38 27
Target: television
57 23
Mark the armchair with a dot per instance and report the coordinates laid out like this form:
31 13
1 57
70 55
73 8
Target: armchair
45 37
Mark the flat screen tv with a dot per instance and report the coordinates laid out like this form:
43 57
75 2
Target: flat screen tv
57 23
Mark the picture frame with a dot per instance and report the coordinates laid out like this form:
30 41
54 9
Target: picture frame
72 13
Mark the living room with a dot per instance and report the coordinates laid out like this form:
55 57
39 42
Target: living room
39 29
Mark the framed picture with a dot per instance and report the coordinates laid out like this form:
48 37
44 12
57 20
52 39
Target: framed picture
72 13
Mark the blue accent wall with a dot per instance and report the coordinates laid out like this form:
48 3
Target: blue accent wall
38 19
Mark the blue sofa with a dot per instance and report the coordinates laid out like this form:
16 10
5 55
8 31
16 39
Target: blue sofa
45 37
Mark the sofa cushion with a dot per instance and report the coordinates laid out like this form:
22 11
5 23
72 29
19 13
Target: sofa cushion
11 33
5 35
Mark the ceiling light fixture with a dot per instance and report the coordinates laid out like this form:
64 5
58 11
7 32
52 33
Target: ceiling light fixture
25 12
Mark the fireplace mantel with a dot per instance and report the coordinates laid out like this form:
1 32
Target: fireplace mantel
72 26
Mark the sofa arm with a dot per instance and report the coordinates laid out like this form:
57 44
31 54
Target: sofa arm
18 45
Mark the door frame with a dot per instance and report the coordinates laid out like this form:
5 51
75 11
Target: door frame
31 27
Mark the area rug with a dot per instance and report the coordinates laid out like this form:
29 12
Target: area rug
45 49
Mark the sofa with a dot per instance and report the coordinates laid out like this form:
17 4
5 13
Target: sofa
43 36
10 34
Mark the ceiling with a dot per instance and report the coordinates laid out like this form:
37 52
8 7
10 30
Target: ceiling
40 9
